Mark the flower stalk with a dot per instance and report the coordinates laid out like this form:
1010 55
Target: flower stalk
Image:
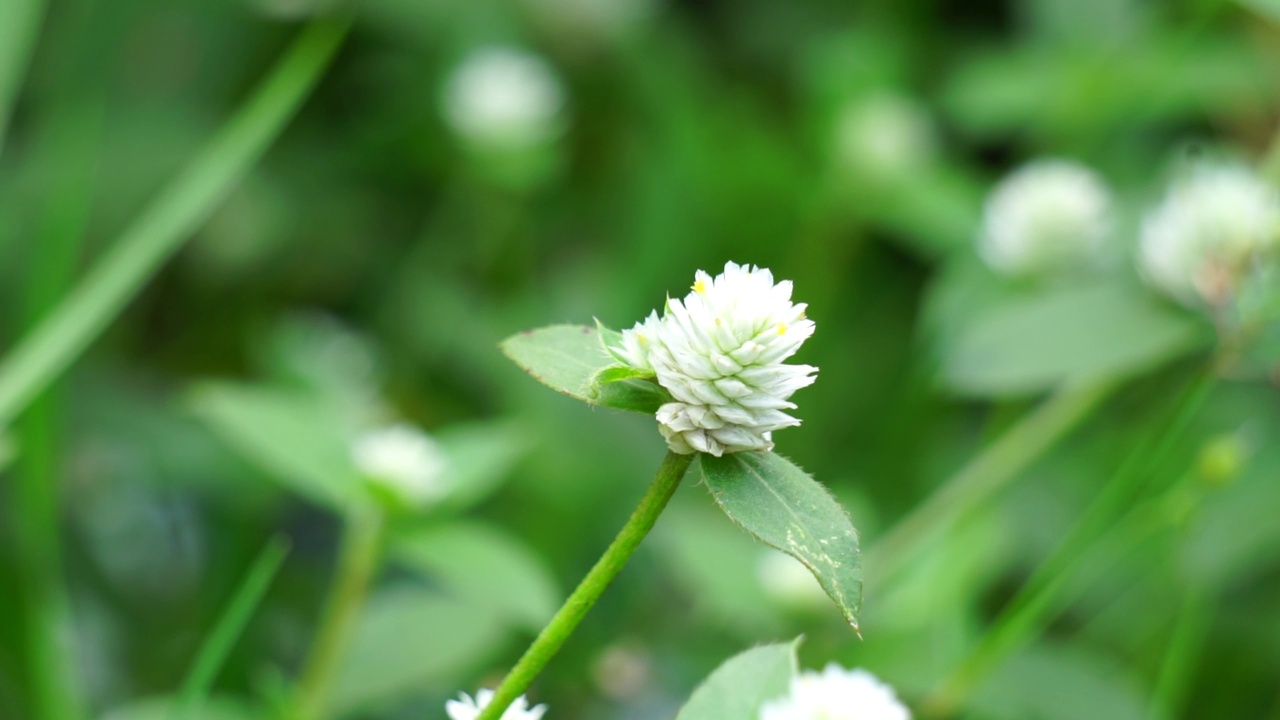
584 597
357 563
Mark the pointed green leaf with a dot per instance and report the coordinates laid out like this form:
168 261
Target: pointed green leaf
745 682
568 358
782 506
292 436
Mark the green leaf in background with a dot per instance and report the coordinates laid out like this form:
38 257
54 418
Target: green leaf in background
413 640
1052 681
568 358
483 565
745 682
481 456
718 567
1063 336
165 708
781 505
291 436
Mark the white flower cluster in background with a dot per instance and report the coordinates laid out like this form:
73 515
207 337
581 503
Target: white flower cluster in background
836 694
1047 216
720 354
468 708
1213 226
504 98
403 461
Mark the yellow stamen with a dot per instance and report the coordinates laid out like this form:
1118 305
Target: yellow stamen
700 287
782 328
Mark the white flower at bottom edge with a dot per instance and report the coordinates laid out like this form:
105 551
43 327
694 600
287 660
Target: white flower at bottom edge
468 708
836 694
1047 216
1212 226
403 460
720 353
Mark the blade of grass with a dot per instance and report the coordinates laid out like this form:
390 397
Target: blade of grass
984 475
68 141
1180 660
167 223
18 33
213 653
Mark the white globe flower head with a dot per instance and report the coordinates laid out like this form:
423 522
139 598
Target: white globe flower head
885 136
468 708
504 98
720 352
837 694
1213 226
1047 216
403 461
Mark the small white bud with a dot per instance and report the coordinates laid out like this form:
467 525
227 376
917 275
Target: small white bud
787 581
503 98
403 461
885 137
1214 225
1048 216
468 708
837 694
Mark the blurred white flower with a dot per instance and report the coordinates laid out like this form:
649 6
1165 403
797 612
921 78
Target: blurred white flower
505 98
719 353
1213 226
885 136
788 581
1048 215
467 708
404 461
836 694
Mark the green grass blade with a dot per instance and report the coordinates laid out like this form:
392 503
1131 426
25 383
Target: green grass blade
164 226
213 653
18 32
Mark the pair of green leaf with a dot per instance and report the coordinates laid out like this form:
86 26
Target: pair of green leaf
765 494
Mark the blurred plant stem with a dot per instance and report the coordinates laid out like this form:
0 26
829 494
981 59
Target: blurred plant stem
357 563
984 475
548 642
45 352
69 139
1184 649
1042 595
20 22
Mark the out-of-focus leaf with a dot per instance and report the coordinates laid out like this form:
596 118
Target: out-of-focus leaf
778 503
1052 682
1063 336
739 687
481 456
291 436
483 565
1268 8
568 357
165 708
413 640
718 566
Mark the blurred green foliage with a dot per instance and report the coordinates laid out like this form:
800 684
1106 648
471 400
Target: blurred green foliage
373 260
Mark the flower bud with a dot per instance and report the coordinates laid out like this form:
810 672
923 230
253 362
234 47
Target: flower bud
1214 226
1048 216
404 463
502 98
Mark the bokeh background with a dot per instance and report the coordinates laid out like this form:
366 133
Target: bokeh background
378 253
